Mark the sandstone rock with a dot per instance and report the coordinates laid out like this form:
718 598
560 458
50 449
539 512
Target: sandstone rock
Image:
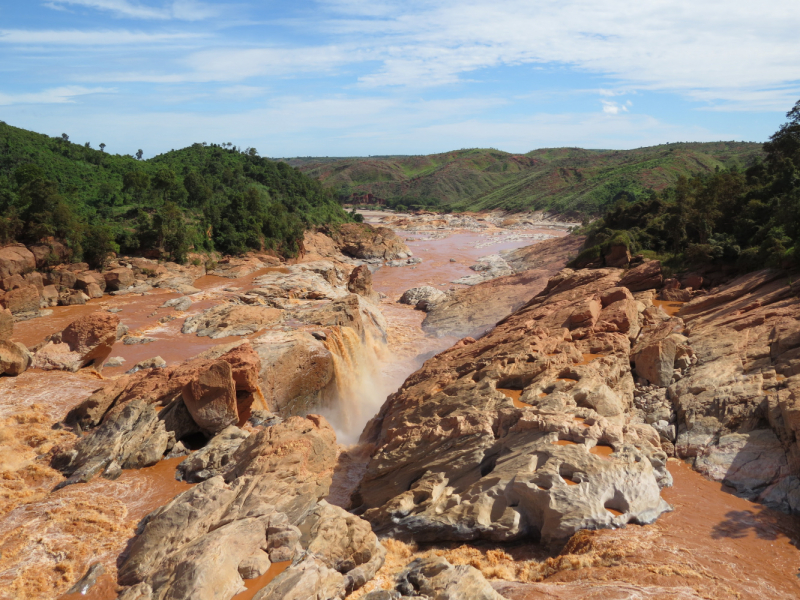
313 281
119 279
236 267
617 255
180 304
14 358
197 545
211 398
430 295
498 469
655 362
73 298
21 300
364 241
213 458
487 268
644 277
6 324
16 259
49 295
50 254
132 438
254 566
295 369
93 291
85 341
231 319
436 578
360 283
12 283
151 363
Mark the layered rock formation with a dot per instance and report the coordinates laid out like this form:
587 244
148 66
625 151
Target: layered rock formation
266 507
528 432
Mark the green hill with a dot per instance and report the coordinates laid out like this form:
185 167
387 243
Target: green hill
558 179
201 197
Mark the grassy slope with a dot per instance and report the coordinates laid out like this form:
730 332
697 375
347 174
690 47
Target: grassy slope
560 179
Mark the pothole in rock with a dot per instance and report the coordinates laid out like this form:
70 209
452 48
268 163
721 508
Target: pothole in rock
587 358
602 450
514 395
256 584
567 474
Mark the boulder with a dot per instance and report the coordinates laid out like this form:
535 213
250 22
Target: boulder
231 319
12 283
435 577
211 398
85 341
181 304
655 362
429 294
360 240
213 458
93 291
73 298
119 279
16 260
646 276
14 358
360 282
21 300
62 278
50 254
675 295
617 255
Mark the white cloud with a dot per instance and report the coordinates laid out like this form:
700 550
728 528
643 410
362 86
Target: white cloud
75 37
185 10
614 108
60 95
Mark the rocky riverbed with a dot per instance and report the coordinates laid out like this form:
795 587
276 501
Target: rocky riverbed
335 426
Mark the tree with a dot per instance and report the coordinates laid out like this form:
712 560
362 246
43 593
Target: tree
135 183
172 233
102 147
64 137
98 245
139 154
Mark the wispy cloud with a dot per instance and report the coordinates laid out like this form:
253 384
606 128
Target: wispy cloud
59 95
75 37
185 10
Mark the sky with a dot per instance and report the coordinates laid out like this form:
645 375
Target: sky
377 77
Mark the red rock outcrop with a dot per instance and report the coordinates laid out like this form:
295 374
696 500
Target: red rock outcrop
85 341
16 260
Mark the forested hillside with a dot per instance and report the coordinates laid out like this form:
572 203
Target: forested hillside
565 180
748 219
206 197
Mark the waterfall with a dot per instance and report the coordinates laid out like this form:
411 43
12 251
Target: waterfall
359 388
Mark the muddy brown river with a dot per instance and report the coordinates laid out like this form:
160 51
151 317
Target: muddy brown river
714 543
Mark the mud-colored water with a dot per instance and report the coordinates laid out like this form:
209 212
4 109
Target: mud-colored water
602 450
669 307
257 584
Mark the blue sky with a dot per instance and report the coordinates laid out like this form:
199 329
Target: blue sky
354 77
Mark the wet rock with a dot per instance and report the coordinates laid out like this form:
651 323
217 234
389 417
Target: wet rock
86 341
119 279
194 546
487 267
457 459
14 358
231 319
21 300
430 295
88 580
132 340
644 277
49 295
360 283
131 438
16 259
296 368
436 578
180 304
211 398
114 361
151 363
213 458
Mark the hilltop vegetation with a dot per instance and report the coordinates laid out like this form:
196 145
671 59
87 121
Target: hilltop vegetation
205 197
743 218
564 180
